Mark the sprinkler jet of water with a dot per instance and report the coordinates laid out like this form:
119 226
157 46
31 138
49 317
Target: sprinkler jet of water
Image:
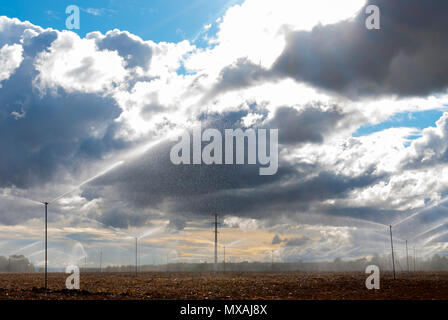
46 203
429 229
421 211
131 154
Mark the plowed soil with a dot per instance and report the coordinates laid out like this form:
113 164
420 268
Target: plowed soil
228 286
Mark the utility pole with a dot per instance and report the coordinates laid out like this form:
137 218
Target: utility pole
392 247
136 259
46 248
414 258
216 241
224 258
407 256
167 262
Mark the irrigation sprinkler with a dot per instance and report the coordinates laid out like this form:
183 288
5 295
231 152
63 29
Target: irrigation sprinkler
414 258
224 259
392 248
136 262
46 249
216 241
407 255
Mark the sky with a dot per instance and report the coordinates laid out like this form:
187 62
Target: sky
88 116
156 20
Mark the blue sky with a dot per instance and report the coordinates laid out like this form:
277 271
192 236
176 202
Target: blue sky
418 120
156 20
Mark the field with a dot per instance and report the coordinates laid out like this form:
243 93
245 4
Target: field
248 285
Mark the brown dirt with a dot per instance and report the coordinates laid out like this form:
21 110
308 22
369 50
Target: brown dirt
242 286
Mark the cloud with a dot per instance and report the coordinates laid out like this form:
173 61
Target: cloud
122 218
93 11
297 242
10 59
177 223
431 149
48 133
12 30
310 124
75 65
130 47
405 57
276 240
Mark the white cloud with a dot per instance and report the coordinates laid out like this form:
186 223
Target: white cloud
10 59
93 11
75 64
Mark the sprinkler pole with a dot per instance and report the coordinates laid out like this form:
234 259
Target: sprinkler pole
392 247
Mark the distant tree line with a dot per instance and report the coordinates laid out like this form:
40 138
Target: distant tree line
384 262
19 263
15 263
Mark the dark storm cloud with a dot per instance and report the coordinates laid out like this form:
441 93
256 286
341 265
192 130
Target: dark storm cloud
373 214
14 211
123 218
297 242
152 178
308 125
177 223
290 196
241 74
132 49
407 56
276 240
34 45
152 181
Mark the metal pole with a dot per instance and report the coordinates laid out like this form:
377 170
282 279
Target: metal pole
216 241
224 258
136 262
392 247
46 247
414 258
407 255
